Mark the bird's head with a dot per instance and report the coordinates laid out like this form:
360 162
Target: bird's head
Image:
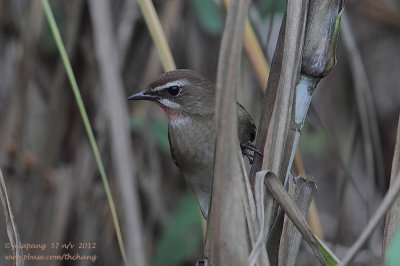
180 92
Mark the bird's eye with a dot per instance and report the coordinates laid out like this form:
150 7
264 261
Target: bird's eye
174 90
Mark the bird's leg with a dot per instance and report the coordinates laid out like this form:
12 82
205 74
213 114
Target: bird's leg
245 151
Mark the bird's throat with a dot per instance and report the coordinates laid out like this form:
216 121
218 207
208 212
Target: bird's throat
170 113
180 121
175 118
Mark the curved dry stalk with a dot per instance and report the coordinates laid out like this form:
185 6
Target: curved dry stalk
322 253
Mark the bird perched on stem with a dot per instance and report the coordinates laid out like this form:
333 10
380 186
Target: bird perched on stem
188 99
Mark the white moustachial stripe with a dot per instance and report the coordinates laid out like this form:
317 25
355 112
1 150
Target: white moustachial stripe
169 103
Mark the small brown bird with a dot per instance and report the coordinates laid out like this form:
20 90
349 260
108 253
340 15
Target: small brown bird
188 99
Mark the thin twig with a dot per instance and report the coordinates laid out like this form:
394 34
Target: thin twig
374 221
366 108
12 231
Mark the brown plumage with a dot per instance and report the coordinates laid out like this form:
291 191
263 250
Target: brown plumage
188 99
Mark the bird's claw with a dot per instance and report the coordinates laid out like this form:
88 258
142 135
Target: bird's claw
249 156
245 151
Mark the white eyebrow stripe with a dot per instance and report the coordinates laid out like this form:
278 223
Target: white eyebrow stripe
179 83
168 103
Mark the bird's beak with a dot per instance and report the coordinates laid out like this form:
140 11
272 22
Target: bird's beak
142 96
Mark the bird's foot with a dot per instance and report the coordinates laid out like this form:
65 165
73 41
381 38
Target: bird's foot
246 148
202 262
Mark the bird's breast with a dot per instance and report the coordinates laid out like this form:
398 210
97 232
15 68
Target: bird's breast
192 143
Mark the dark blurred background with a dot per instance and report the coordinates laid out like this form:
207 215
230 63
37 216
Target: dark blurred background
51 176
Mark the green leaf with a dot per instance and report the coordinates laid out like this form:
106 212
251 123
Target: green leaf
313 141
136 124
392 253
158 130
182 235
328 255
209 15
333 44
